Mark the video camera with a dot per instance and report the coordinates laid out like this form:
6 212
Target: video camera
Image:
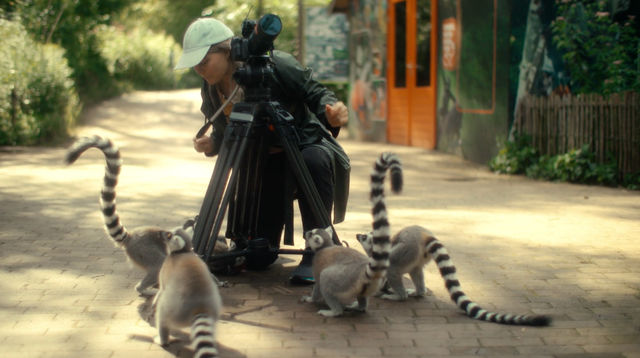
257 39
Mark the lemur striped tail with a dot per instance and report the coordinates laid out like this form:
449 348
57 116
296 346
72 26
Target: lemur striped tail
381 243
108 193
203 336
448 271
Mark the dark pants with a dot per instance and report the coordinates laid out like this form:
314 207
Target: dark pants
276 193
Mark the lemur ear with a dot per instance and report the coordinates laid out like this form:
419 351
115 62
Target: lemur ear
329 230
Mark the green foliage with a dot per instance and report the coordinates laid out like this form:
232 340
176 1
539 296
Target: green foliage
102 49
72 25
603 56
576 166
139 58
38 102
515 156
632 181
163 16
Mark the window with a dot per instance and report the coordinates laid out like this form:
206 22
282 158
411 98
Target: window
401 44
423 43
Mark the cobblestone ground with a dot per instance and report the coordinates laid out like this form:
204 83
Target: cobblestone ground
522 246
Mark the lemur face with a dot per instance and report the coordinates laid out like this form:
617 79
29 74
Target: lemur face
366 240
318 238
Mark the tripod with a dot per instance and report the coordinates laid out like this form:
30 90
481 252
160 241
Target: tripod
253 127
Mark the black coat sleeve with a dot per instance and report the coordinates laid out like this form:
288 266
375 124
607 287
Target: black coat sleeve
298 81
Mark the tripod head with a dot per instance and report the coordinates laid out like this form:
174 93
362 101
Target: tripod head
251 49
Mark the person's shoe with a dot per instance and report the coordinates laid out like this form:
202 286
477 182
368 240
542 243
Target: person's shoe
303 274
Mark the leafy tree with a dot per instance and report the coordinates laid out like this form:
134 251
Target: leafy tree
139 58
71 24
163 16
602 55
38 102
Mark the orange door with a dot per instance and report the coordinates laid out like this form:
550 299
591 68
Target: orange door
411 48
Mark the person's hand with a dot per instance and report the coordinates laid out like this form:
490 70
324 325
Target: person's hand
203 144
337 114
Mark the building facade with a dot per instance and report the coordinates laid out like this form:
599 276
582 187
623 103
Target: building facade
434 73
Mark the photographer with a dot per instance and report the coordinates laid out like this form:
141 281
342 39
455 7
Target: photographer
318 116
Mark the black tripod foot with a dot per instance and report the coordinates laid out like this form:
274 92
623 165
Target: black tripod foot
259 254
303 274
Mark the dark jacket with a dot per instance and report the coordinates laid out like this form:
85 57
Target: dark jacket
295 89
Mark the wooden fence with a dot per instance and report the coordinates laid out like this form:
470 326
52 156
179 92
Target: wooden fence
558 124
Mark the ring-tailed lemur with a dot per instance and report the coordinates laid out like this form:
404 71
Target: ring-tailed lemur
344 275
188 297
144 246
411 249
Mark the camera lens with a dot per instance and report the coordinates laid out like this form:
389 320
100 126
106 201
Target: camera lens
261 41
270 25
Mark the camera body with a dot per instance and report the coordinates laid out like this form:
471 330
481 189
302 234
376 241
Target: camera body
257 39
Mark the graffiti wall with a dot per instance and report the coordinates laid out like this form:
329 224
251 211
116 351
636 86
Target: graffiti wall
326 44
367 38
472 78
536 64
472 74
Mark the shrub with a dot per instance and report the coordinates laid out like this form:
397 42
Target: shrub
72 24
576 166
579 166
515 156
38 102
140 59
632 181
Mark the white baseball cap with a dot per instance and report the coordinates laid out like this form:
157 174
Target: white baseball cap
200 35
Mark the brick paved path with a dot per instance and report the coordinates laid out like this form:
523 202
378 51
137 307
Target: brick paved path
523 246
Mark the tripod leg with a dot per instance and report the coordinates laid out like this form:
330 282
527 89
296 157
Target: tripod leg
212 210
243 210
283 123
221 208
305 182
286 132
211 199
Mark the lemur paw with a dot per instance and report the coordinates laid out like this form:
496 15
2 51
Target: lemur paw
157 340
148 291
329 313
393 297
356 307
413 293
